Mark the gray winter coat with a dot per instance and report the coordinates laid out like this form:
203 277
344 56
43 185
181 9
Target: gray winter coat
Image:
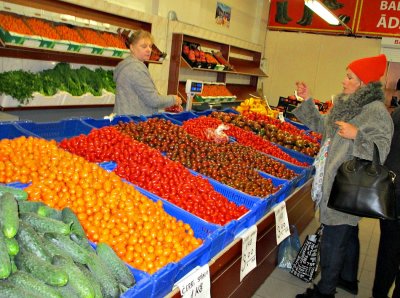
136 93
374 126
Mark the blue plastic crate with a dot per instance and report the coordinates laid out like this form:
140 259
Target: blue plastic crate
181 117
257 206
230 110
166 277
297 124
109 166
208 112
300 171
286 188
298 155
161 116
57 130
98 123
17 185
10 130
143 286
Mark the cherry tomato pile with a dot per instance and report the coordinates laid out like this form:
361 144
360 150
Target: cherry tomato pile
174 109
284 134
285 126
111 211
230 164
149 169
199 126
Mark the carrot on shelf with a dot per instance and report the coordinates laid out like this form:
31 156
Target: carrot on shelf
14 24
113 40
42 28
92 37
68 33
215 90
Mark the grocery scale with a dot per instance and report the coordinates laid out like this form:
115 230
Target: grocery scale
192 88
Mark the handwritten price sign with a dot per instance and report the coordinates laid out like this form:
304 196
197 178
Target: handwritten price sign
281 222
249 241
196 284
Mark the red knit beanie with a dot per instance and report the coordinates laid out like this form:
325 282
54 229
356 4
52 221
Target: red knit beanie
369 69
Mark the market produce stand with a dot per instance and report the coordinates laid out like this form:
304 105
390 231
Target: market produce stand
225 267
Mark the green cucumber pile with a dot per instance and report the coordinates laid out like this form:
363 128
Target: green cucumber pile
45 253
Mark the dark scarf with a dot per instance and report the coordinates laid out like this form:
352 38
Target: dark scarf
346 107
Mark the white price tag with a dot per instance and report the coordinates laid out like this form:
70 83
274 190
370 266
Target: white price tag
281 222
196 283
249 241
280 117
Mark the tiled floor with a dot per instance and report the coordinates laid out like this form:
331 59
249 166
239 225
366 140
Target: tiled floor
281 284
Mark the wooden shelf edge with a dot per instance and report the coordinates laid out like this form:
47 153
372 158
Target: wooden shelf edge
55 107
249 71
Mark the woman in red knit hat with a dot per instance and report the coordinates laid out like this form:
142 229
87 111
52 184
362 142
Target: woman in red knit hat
358 120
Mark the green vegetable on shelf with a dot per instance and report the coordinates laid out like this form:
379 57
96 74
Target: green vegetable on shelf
22 84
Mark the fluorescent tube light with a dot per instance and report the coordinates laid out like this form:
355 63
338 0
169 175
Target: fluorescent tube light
321 10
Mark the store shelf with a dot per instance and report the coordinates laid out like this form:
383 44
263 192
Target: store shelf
245 63
241 68
11 50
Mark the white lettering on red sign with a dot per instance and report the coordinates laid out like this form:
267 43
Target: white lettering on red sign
390 5
391 22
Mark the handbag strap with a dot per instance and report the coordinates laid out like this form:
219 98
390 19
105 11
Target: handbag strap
376 159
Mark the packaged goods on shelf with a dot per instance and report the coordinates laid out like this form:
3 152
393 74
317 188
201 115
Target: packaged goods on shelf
214 92
196 57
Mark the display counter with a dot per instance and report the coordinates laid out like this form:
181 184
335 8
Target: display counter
225 267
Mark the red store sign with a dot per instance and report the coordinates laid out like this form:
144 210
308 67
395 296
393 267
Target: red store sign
364 17
293 15
379 17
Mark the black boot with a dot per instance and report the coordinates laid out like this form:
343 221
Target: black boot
336 4
307 17
303 18
348 286
333 4
344 18
314 293
279 18
285 11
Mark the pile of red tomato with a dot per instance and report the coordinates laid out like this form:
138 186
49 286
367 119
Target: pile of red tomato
149 169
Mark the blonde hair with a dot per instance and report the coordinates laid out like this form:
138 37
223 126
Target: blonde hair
138 35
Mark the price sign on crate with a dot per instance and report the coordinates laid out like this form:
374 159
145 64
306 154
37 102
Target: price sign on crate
196 284
249 241
281 222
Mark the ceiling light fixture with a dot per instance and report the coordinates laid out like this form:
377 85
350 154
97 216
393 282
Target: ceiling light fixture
321 10
327 15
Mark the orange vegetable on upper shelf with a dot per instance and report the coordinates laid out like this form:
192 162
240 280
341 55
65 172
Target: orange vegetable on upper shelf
68 33
92 37
13 23
222 60
215 90
42 28
210 58
113 40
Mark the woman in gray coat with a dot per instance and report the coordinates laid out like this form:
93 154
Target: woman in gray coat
357 121
136 93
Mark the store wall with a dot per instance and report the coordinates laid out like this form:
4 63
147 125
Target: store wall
319 60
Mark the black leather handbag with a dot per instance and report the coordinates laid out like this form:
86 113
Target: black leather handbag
364 188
